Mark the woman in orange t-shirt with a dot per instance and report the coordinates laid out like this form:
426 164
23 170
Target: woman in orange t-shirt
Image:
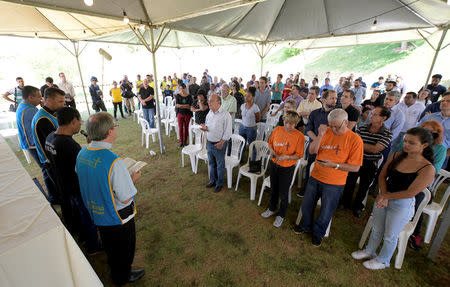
286 147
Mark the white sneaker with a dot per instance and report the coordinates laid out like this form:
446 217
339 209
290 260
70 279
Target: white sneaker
361 254
373 264
267 213
278 221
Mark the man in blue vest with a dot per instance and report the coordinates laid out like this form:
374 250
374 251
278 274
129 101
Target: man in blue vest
44 122
107 190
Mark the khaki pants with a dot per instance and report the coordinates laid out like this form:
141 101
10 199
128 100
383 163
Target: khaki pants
129 103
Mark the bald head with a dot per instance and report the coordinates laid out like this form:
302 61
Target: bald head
214 102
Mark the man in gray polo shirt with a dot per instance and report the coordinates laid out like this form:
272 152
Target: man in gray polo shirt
263 98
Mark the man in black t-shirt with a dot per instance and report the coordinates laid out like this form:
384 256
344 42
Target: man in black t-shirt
146 96
63 150
48 84
436 89
193 88
347 100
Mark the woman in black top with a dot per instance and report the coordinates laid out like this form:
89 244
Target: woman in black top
404 175
235 87
200 107
184 114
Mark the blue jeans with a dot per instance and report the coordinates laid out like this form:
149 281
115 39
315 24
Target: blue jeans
388 222
216 161
329 194
149 116
248 133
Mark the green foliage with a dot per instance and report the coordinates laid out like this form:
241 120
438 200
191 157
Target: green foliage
282 55
358 59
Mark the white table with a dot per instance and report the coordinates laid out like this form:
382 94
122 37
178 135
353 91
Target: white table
35 247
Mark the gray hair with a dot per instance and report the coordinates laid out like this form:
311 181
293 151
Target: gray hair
228 87
337 115
395 94
98 126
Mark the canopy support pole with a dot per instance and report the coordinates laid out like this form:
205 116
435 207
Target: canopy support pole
436 53
152 47
262 52
76 48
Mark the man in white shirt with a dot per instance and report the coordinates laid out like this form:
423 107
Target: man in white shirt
67 87
411 109
218 131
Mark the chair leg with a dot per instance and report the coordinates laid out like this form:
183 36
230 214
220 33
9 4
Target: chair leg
401 249
147 139
327 233
366 232
142 139
432 220
182 159
192 159
237 181
261 194
153 137
196 165
27 155
299 216
253 182
229 176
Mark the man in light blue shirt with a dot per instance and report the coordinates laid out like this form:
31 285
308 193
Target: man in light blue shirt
442 117
360 92
326 86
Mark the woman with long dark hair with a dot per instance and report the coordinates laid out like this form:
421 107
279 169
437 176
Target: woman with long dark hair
184 114
404 175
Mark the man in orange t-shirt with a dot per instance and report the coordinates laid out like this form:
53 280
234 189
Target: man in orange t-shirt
286 148
339 150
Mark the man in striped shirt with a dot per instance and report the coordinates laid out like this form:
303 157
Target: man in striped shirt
376 137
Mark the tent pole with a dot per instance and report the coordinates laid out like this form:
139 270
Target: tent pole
158 113
436 53
262 58
77 55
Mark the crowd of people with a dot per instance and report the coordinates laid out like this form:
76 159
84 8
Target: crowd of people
394 139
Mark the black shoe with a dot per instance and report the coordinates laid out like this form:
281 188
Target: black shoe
357 213
301 193
210 184
316 241
185 144
123 117
218 189
181 145
300 230
135 275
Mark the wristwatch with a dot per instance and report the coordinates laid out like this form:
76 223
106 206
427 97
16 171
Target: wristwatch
337 166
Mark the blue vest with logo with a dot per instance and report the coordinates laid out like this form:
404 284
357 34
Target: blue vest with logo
94 170
41 114
23 116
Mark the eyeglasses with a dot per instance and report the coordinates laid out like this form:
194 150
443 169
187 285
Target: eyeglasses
338 128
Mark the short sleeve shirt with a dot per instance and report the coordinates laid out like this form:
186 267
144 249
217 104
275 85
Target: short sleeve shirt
145 93
248 115
276 96
262 99
346 148
287 143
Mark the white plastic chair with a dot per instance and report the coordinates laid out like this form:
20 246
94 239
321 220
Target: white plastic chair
237 125
441 176
261 131
273 120
202 155
194 148
237 148
434 210
137 114
172 116
319 202
273 108
266 183
147 132
404 234
304 163
380 161
261 153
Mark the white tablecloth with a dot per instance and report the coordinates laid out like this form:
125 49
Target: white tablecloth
35 247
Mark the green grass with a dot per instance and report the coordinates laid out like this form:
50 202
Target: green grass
282 55
189 236
357 59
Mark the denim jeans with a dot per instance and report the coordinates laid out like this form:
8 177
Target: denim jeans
216 161
388 222
248 133
329 194
149 116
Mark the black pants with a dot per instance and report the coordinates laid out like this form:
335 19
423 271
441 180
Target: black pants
280 180
366 175
119 242
119 104
52 192
100 105
311 158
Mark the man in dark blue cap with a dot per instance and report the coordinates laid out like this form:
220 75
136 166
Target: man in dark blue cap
97 96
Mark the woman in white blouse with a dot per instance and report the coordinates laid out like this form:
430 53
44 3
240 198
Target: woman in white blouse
250 116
